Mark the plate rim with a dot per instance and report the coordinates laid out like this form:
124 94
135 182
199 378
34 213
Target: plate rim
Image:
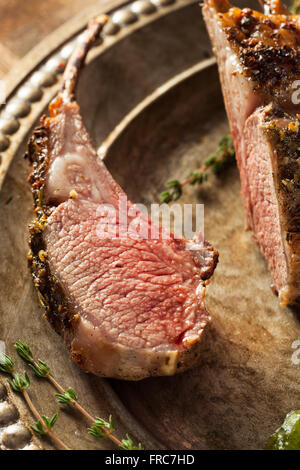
42 68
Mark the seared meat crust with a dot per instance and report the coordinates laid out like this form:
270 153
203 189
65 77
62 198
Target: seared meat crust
123 289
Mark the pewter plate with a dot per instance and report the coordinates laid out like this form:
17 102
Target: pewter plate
151 100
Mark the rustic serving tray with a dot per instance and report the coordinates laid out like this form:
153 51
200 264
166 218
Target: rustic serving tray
151 100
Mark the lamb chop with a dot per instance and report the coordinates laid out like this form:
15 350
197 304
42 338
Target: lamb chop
128 306
259 63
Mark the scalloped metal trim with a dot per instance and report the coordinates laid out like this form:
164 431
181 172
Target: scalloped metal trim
14 435
30 93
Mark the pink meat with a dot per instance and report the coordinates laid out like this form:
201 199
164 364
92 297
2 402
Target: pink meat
259 60
135 292
260 167
139 293
127 295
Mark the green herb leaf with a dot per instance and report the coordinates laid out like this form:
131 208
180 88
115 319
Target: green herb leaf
24 350
224 154
176 189
19 383
38 428
97 432
40 368
97 429
166 196
287 437
174 193
67 398
50 421
211 160
127 444
53 420
196 177
111 423
6 364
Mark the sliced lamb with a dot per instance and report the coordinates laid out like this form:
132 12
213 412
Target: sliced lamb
130 306
259 63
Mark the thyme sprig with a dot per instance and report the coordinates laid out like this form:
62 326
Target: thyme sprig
67 398
6 364
127 444
100 425
40 368
39 427
216 163
21 384
100 428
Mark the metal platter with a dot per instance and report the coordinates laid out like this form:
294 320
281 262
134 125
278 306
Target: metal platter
151 100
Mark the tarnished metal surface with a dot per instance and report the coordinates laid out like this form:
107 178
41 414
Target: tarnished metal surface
124 20
147 69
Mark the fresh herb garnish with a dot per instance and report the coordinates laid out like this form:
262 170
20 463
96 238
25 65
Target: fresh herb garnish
6 364
100 425
69 397
39 427
127 444
21 384
216 163
18 383
100 428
